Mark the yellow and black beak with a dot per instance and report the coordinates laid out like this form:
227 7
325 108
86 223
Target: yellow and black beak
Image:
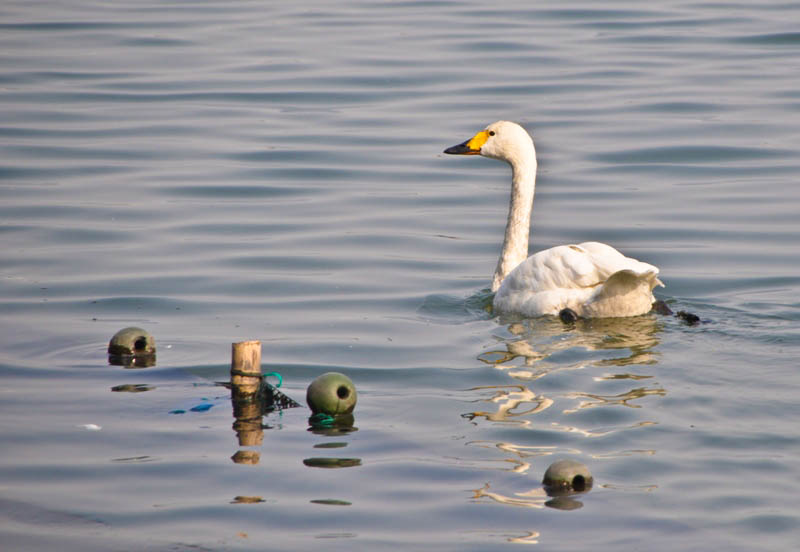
470 147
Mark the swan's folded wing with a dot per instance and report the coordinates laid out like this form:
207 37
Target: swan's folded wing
572 267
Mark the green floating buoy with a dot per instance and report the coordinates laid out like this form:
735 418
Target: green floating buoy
132 348
333 394
566 477
132 341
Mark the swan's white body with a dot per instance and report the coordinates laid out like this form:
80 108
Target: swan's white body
593 279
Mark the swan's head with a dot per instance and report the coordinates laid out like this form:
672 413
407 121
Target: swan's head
502 140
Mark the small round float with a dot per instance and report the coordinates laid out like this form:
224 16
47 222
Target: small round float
132 347
332 394
566 477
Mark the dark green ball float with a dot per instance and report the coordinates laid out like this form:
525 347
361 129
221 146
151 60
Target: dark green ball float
333 394
133 348
566 477
132 341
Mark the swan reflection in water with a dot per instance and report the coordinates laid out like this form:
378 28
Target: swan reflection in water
540 347
536 341
513 402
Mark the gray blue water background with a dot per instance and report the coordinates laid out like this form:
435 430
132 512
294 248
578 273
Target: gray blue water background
222 171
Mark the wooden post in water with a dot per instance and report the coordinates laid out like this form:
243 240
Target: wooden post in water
246 367
245 386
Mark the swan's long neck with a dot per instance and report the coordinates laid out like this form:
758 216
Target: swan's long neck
515 243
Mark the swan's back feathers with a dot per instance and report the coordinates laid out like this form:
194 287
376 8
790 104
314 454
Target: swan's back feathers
593 279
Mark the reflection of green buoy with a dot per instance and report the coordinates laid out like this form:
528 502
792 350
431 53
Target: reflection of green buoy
567 477
132 341
332 462
333 394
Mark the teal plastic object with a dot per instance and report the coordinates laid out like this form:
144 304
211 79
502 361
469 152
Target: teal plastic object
333 394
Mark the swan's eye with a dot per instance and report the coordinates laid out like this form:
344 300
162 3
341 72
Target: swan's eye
491 133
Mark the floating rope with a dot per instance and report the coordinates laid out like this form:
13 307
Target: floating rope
247 374
267 394
259 376
277 375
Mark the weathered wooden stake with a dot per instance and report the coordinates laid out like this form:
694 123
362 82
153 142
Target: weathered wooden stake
246 360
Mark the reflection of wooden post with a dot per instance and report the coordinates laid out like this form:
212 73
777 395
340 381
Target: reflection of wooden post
246 457
248 424
245 385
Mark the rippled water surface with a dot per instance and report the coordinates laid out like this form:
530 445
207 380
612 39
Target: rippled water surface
222 171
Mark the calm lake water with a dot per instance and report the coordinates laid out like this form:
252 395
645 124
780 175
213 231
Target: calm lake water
223 171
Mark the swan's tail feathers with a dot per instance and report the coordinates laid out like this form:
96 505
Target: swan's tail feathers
625 293
619 283
623 281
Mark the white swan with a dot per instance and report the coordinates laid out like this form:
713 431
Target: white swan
592 279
